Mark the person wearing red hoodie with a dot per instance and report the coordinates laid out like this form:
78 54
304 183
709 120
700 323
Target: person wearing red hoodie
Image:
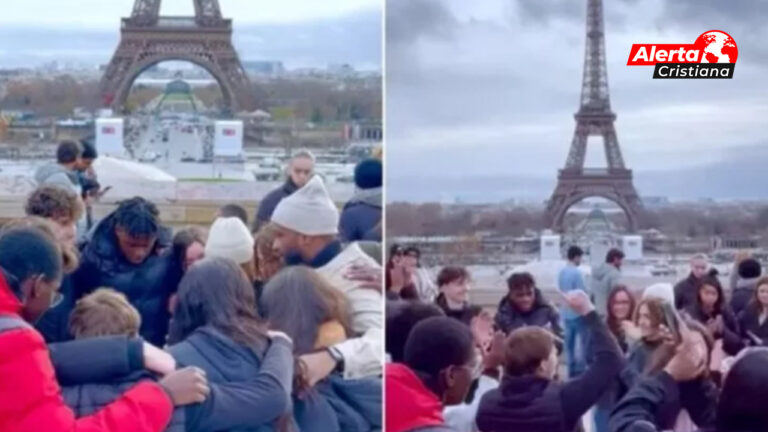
437 371
30 397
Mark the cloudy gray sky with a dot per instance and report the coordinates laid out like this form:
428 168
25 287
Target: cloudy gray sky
299 32
486 91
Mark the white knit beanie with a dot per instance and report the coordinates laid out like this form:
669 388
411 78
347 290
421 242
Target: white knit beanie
230 238
662 291
308 211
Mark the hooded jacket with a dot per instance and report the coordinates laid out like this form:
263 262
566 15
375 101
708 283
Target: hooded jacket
228 362
148 285
604 278
411 406
361 214
30 397
54 174
269 203
530 403
542 314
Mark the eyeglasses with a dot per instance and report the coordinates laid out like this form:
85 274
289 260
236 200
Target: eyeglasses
56 299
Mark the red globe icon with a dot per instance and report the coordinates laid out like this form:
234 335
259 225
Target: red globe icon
717 47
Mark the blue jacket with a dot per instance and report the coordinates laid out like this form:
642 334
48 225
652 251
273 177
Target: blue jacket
269 203
148 286
360 216
263 375
339 405
570 279
54 324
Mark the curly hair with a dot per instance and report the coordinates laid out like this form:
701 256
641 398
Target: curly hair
138 217
53 202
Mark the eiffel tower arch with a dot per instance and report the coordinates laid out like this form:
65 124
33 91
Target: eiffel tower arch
594 118
146 39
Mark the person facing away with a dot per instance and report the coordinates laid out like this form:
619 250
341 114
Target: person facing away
215 328
525 306
306 228
300 170
437 371
749 271
123 252
30 397
529 398
604 277
753 321
402 316
233 210
316 316
570 279
685 290
362 212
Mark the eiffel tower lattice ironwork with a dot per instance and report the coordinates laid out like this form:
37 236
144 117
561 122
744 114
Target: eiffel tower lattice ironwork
594 118
147 38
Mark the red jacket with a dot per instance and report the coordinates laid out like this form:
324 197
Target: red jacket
30 398
410 404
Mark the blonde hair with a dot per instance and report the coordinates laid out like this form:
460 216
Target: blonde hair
104 312
69 254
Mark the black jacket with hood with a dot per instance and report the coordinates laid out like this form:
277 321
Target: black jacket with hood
542 314
148 285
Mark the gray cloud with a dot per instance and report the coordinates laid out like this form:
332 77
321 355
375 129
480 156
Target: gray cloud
409 20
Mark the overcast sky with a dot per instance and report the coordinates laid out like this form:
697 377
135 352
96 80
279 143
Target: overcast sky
106 13
489 88
301 33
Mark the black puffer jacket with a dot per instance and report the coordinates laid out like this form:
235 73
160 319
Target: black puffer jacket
542 314
148 285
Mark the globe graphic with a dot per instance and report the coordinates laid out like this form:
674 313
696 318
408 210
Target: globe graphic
717 47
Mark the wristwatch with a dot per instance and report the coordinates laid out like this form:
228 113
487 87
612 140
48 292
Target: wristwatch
337 357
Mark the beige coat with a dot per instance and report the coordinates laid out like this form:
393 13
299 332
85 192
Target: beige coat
363 355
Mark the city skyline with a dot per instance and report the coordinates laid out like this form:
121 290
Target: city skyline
505 110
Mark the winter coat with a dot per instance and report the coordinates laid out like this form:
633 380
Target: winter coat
258 403
54 324
639 410
749 324
743 294
148 286
363 355
604 278
508 318
465 314
530 403
731 335
87 399
339 405
30 397
411 406
685 292
361 214
269 203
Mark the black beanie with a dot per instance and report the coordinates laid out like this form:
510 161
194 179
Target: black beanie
749 269
368 174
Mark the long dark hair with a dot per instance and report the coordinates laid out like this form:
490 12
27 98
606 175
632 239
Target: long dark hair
711 280
298 300
215 292
755 303
614 323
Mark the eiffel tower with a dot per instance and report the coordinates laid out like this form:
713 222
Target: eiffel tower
146 38
594 118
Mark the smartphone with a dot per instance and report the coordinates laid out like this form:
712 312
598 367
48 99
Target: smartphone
104 190
672 321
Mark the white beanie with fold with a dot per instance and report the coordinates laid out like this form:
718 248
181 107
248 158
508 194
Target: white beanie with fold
662 291
309 210
230 238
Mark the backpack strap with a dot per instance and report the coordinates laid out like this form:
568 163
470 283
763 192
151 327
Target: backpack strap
8 322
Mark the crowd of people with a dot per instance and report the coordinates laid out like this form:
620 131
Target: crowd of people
130 325
598 352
